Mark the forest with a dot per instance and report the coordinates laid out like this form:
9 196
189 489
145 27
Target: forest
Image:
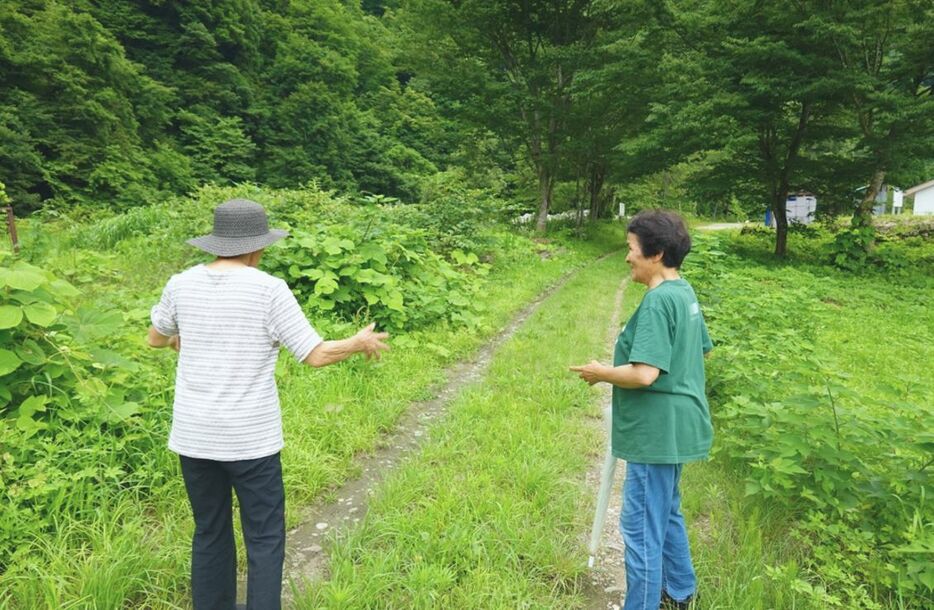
715 107
459 172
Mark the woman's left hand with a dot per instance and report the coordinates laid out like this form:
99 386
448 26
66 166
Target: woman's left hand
591 373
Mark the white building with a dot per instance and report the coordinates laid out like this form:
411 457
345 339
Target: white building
799 208
880 206
924 197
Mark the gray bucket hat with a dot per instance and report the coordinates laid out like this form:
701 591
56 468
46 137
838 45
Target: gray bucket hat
240 227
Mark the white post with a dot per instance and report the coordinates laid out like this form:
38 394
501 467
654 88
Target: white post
606 486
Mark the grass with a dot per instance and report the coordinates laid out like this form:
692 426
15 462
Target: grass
129 546
493 512
732 540
490 514
825 373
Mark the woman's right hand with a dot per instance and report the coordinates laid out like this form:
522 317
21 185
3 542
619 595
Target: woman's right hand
370 342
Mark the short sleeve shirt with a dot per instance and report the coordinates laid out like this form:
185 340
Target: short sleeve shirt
667 422
231 324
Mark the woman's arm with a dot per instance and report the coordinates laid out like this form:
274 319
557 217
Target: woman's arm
627 376
158 340
330 352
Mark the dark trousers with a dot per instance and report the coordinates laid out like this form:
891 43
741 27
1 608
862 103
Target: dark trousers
259 488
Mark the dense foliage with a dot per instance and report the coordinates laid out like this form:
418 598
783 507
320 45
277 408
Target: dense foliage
123 104
394 138
84 405
707 106
817 408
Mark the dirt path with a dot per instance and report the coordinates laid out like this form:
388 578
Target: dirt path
608 576
307 545
720 226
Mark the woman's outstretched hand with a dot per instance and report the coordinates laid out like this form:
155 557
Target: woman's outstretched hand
591 373
371 342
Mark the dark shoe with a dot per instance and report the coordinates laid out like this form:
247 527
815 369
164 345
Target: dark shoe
670 603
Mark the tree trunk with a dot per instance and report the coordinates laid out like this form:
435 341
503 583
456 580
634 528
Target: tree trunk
545 185
862 216
595 180
780 212
780 190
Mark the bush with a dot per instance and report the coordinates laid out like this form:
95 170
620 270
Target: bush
849 461
63 382
385 273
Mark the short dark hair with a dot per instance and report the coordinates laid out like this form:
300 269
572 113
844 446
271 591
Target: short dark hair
662 231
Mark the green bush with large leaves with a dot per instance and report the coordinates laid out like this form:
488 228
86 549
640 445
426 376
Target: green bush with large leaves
70 397
850 456
382 272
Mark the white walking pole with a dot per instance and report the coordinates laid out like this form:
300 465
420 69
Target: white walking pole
606 486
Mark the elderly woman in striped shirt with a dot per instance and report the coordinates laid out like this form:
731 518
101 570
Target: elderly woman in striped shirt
227 319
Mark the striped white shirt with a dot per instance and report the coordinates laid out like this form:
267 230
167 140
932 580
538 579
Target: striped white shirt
231 323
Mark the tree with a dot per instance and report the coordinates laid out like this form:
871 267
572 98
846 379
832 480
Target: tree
762 85
885 51
71 109
507 67
608 109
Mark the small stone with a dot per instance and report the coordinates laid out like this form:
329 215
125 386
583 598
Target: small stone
321 526
613 590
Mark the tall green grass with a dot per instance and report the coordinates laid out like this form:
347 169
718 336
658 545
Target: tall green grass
128 544
822 400
490 513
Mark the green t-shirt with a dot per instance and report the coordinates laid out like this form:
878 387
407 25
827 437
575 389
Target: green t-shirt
667 422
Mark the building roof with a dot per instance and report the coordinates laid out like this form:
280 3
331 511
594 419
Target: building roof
920 187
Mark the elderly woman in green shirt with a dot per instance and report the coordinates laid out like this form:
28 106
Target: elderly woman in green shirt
661 419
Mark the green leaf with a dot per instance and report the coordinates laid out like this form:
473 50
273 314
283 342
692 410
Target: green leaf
369 276
23 277
32 405
122 412
110 358
63 289
312 274
327 284
373 252
30 426
90 390
9 362
30 351
393 300
10 316
90 323
42 314
332 245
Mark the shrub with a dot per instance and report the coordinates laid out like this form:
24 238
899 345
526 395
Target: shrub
385 273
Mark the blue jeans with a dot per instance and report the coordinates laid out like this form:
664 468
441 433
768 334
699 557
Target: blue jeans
259 488
657 553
